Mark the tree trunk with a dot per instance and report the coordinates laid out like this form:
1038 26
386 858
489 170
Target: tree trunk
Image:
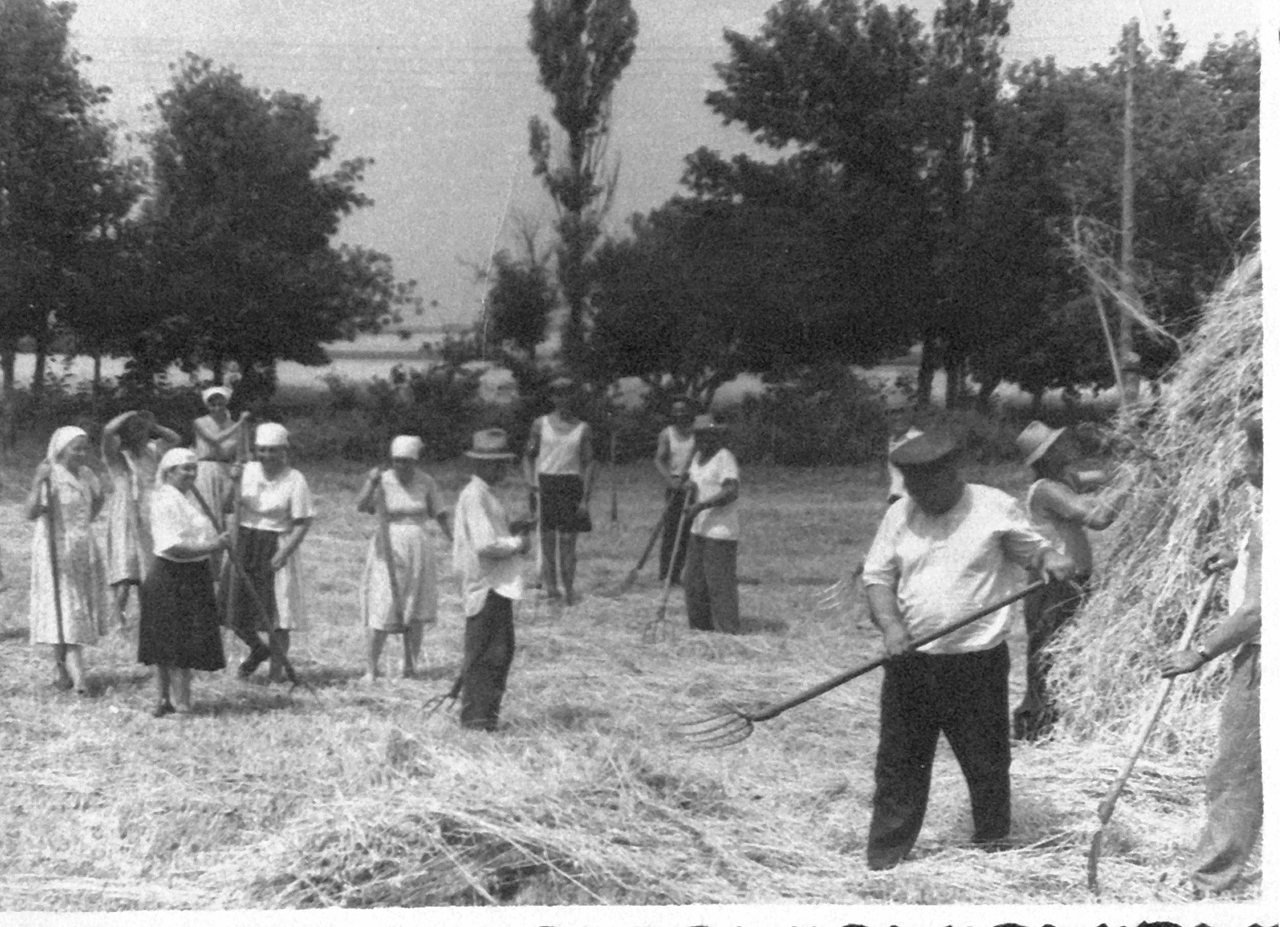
37 374
924 376
97 381
8 359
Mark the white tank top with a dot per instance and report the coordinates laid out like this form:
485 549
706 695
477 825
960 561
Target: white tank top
681 450
559 451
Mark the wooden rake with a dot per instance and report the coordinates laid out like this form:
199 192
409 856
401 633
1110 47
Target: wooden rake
657 628
733 724
1107 806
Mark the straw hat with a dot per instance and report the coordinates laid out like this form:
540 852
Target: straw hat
1035 440
705 422
489 444
924 450
271 434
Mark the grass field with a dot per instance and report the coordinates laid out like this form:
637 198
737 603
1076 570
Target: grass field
351 797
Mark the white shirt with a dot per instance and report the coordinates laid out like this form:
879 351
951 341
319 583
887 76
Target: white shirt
943 567
273 505
479 524
177 521
559 452
720 522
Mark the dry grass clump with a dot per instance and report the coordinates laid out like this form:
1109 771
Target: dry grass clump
1183 448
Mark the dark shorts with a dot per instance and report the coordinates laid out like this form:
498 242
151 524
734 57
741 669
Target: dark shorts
560 498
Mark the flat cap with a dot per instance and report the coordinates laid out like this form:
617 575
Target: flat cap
928 449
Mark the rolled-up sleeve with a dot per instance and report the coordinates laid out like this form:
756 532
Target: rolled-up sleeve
1022 544
882 567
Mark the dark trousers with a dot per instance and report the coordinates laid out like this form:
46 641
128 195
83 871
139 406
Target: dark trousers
1047 611
964 696
1233 787
489 647
672 530
711 585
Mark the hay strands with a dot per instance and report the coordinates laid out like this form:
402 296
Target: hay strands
1107 806
632 576
733 725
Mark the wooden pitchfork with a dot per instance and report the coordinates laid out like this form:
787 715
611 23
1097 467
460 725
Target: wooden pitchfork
51 529
1107 806
239 573
656 629
733 724
631 577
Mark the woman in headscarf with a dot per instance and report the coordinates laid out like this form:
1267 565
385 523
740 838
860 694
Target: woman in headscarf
179 629
218 441
68 583
274 515
132 444
405 497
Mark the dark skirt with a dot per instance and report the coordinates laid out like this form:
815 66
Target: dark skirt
179 625
561 495
254 549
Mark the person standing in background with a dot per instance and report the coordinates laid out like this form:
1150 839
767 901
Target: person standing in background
675 451
560 468
711 570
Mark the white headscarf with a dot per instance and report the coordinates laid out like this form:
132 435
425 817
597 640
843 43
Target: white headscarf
211 391
175 457
271 434
406 446
59 440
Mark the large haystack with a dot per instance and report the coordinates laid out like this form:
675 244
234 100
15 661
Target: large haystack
1186 446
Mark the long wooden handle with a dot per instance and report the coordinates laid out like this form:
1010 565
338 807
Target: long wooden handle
666 586
774 710
1107 806
51 529
383 546
653 539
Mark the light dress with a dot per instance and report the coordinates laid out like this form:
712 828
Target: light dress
268 508
81 576
213 471
408 510
129 544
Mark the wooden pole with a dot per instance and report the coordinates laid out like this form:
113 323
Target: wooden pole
1128 384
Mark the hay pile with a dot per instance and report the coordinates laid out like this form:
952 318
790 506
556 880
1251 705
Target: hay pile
1183 448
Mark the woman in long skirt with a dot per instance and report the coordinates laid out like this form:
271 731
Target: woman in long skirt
274 515
68 583
179 629
403 498
132 444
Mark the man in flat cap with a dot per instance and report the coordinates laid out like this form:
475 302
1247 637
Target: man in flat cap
945 550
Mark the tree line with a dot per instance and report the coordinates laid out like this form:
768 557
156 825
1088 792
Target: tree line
914 189
217 249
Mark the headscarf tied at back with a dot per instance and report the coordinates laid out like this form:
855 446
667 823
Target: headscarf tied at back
408 447
209 392
59 440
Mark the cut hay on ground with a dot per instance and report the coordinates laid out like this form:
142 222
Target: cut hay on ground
1181 506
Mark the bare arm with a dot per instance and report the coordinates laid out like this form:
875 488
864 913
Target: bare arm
365 501
170 437
35 505
728 492
529 463
215 435
111 439
289 543
662 457
886 616
1095 513
587 459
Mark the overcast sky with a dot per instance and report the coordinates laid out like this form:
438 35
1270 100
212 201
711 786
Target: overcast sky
439 94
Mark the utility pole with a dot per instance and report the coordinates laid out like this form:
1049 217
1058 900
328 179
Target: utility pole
1129 378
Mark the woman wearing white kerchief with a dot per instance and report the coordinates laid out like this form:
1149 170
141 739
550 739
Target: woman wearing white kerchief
275 514
410 497
179 630
66 491
218 441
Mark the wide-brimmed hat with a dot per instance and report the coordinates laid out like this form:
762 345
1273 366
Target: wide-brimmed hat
271 434
489 444
705 422
931 449
1035 440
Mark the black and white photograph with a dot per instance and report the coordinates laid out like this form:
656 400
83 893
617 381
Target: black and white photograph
745 461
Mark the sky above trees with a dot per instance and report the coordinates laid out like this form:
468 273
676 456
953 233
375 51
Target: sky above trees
439 96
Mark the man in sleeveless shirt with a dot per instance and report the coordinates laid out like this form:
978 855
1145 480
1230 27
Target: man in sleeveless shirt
675 450
1062 513
559 466
1233 788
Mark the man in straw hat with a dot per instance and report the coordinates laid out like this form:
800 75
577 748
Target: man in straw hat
487 556
1061 514
559 466
946 550
1233 788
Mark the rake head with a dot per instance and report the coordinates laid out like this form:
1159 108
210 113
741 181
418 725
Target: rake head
436 702
656 630
724 729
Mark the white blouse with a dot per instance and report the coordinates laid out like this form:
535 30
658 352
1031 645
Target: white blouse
176 521
273 505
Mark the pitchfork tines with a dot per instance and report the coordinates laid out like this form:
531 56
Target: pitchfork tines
728 726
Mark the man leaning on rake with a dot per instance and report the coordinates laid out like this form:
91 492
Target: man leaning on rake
947 549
